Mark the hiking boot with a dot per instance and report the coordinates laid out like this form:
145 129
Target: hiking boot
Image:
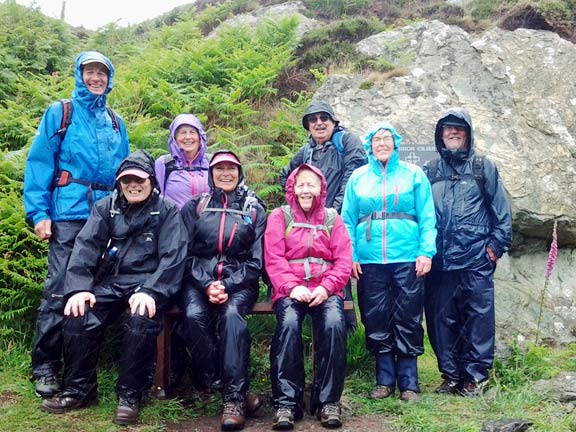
47 386
448 386
330 416
62 404
472 389
409 396
233 416
126 413
253 403
284 419
381 392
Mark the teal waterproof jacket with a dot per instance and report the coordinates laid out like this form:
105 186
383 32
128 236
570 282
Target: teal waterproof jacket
399 198
91 151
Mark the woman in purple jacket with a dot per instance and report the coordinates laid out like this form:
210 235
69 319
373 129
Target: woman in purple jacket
183 174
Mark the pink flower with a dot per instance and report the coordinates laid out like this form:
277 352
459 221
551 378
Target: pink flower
553 254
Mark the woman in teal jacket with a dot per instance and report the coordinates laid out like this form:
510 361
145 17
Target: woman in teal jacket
389 212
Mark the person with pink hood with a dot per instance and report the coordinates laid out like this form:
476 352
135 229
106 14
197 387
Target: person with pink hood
183 174
308 257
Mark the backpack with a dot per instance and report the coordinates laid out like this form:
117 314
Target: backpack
336 140
248 211
68 110
477 173
329 218
170 167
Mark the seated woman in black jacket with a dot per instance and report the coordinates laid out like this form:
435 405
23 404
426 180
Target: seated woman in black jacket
131 252
220 285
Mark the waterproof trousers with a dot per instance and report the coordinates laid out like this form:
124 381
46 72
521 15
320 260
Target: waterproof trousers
287 353
84 334
460 320
218 339
47 348
391 301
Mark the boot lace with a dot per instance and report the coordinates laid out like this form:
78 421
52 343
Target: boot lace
232 409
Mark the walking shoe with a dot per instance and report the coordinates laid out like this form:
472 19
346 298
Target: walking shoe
472 389
253 403
233 416
47 386
448 386
409 396
284 419
62 404
381 392
126 413
330 416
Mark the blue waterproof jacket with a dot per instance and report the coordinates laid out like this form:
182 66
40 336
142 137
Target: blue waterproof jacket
468 219
399 189
91 151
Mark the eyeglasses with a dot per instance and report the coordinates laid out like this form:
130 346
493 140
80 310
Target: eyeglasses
384 139
311 118
132 179
453 127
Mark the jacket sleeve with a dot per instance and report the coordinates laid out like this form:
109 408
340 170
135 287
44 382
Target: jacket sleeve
350 215
499 208
249 272
172 248
40 167
294 163
426 214
354 157
89 246
160 170
277 266
338 276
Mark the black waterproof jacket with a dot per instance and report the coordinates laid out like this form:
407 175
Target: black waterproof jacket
467 219
336 168
224 245
150 238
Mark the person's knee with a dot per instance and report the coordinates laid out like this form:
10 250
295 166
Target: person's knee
142 324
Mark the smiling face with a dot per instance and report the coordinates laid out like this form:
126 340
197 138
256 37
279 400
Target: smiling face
455 137
382 145
95 76
321 127
225 176
135 189
307 185
188 139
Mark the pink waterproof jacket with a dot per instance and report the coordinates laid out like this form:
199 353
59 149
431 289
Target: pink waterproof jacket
329 251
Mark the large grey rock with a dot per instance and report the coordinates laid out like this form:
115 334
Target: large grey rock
561 388
519 90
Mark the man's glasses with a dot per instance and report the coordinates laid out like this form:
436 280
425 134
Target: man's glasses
312 118
129 179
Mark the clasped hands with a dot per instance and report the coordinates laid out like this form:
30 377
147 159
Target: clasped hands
139 303
216 293
313 298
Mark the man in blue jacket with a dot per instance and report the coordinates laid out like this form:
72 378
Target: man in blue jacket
474 224
69 167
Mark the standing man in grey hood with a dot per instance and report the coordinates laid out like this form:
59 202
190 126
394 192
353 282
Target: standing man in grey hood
474 224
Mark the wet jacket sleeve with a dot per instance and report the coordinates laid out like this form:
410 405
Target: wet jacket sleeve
277 266
354 157
335 278
249 271
499 207
88 248
295 162
160 170
426 213
172 249
350 215
40 166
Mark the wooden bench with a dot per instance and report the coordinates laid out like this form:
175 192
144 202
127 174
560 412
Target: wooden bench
164 355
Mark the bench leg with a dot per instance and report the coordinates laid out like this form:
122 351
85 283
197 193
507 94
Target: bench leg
163 359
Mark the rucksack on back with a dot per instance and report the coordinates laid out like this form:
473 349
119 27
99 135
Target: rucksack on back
68 110
336 140
329 219
477 173
171 166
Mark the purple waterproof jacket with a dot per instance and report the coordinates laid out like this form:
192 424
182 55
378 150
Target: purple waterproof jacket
180 179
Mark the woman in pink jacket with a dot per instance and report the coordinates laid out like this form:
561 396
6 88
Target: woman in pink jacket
308 257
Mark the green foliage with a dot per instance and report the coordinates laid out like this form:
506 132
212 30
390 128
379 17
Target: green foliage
336 8
483 9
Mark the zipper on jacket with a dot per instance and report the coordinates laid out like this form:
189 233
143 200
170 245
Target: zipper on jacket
384 210
221 238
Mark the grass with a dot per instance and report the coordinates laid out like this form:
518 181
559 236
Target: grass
509 395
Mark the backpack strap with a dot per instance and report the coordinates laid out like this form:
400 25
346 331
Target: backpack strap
329 219
114 118
67 110
203 203
380 215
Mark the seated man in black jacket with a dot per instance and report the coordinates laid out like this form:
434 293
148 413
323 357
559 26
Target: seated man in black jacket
131 252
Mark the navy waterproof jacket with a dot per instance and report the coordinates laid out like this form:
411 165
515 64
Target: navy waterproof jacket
467 219
91 151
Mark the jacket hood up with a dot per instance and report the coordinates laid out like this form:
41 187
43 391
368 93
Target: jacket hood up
394 157
319 107
240 172
178 154
140 159
81 94
319 202
459 115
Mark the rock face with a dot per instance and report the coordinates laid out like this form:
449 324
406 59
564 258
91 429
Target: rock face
519 90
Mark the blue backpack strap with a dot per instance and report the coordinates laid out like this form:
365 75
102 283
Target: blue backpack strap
337 141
